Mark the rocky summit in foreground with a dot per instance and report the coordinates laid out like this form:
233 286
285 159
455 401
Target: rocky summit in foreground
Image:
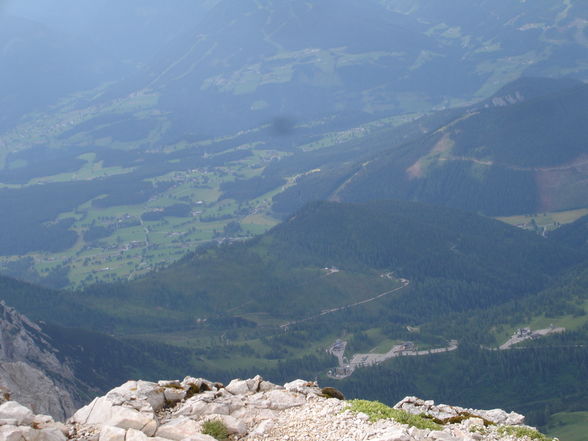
255 409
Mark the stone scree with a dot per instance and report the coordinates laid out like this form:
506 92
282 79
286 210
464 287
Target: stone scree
252 409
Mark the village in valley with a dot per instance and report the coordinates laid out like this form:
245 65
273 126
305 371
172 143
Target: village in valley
346 366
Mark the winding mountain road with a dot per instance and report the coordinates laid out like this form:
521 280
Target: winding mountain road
404 284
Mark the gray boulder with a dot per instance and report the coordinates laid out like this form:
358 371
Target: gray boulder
16 413
178 429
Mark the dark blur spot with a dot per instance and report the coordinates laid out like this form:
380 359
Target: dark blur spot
282 126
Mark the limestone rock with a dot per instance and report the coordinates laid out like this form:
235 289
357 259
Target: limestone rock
10 432
197 385
282 399
199 437
110 433
170 383
135 435
238 387
254 383
139 394
302 386
233 425
262 428
128 418
394 434
129 406
445 412
201 407
51 434
173 395
178 429
25 433
439 435
500 416
97 412
266 386
11 410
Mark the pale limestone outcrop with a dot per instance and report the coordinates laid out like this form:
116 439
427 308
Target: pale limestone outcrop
16 414
18 423
130 406
175 410
443 412
110 433
178 429
250 410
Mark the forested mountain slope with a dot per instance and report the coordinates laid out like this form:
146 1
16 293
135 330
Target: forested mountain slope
574 234
519 152
227 104
278 300
329 255
539 376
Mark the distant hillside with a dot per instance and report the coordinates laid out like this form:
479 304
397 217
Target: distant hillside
246 64
541 376
574 235
49 53
34 301
519 152
41 65
79 361
229 103
454 260
251 63
132 31
332 270
525 89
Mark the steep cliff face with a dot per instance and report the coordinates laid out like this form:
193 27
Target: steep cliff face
30 368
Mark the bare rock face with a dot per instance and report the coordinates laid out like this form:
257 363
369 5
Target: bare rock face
30 370
36 390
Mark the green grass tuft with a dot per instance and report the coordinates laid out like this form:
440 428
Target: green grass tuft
216 429
379 411
521 432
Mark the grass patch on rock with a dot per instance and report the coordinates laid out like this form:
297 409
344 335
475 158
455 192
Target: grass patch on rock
379 411
216 429
521 432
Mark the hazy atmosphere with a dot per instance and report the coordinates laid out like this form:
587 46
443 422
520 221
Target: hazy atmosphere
388 197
